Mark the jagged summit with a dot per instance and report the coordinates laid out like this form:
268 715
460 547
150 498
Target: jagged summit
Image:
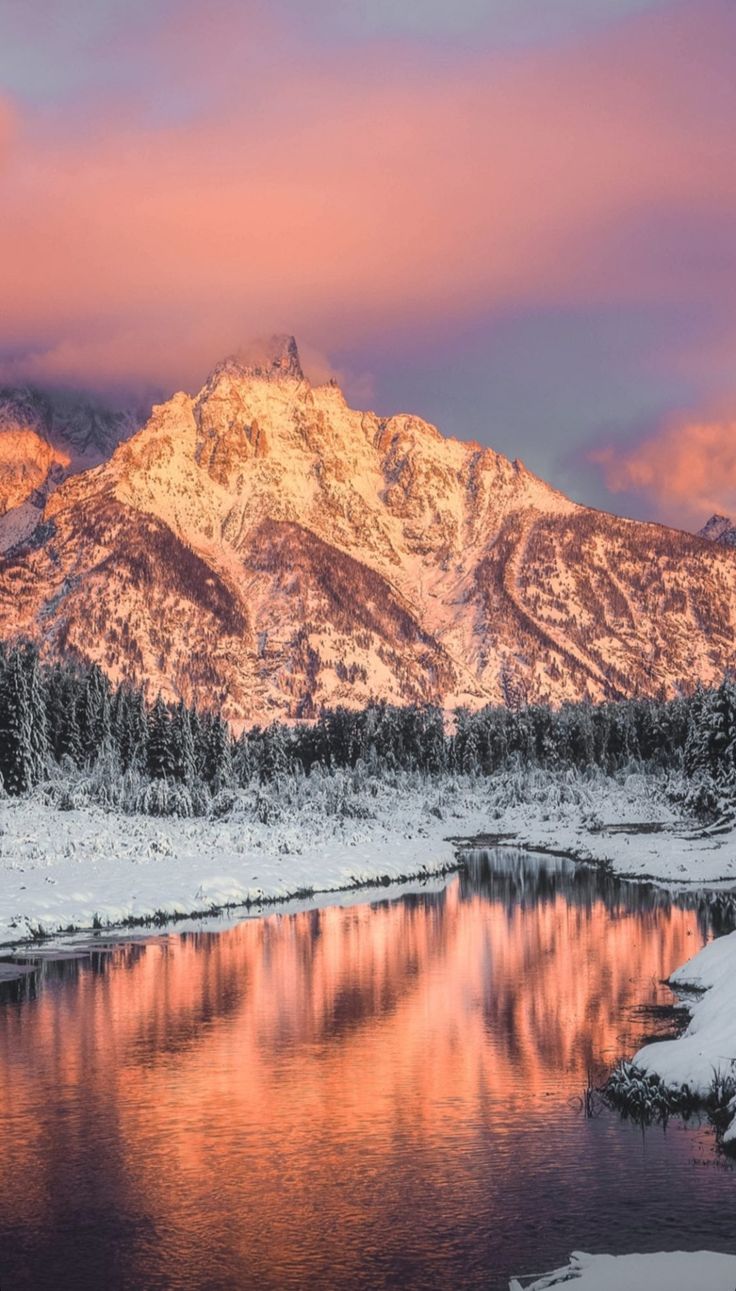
275 358
720 529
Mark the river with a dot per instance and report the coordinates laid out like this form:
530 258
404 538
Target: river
379 1095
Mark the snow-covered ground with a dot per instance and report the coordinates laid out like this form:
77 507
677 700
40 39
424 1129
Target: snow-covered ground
676 1271
85 869
78 869
706 1052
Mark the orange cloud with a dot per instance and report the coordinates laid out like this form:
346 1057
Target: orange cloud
688 470
333 198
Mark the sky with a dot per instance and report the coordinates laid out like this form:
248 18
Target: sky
516 218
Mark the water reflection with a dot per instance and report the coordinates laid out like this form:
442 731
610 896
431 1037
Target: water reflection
377 1096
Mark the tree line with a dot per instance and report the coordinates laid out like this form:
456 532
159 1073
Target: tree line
71 716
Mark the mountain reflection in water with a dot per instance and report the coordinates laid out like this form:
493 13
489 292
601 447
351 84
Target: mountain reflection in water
383 1095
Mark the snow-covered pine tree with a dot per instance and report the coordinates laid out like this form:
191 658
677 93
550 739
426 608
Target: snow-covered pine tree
466 744
22 754
711 741
130 727
275 760
432 743
160 757
94 712
39 734
182 744
623 741
60 687
219 754
245 761
69 740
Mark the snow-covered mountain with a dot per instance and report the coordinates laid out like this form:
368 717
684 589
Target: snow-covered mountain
29 465
719 529
43 438
264 547
84 430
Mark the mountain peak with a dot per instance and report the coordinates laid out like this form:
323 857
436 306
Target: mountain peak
275 358
721 529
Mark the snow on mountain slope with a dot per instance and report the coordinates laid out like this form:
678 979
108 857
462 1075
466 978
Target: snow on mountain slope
83 431
42 439
263 546
27 463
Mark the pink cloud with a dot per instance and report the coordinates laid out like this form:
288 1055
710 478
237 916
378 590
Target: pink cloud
686 470
8 125
335 198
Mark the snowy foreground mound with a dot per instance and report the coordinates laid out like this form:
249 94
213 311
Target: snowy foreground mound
676 1271
706 1052
86 867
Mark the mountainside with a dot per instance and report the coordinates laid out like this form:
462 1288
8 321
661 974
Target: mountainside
42 439
85 431
263 547
27 465
719 529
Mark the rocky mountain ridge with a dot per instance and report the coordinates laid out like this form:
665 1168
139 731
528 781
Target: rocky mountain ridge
43 438
264 548
719 529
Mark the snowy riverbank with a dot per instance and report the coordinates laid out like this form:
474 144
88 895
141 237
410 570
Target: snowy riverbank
87 867
702 1061
675 1271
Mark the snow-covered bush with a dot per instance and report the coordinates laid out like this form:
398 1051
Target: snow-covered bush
165 798
223 803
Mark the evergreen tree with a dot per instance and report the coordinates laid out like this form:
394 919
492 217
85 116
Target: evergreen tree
275 759
94 713
39 735
219 764
160 760
182 744
20 764
130 727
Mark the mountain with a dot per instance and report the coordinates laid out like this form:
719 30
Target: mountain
30 467
28 464
264 547
719 529
85 430
44 437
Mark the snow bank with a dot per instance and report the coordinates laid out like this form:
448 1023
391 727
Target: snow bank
706 1051
85 868
675 1271
628 824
